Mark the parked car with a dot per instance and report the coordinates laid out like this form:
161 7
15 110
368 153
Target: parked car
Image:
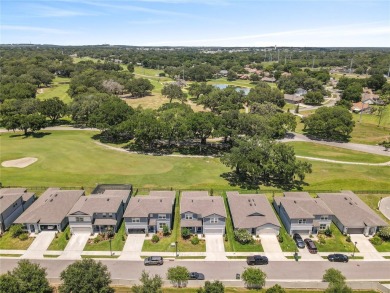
257 260
298 240
153 260
338 257
311 245
195 276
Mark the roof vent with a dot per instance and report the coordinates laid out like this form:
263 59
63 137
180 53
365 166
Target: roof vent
249 200
346 198
55 195
254 204
160 200
192 200
295 201
108 199
253 199
212 200
138 200
351 203
250 204
1 197
51 200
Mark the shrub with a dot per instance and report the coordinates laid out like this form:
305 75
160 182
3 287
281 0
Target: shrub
226 238
185 233
376 240
155 238
97 239
16 230
280 238
166 231
243 236
23 236
123 237
321 239
67 236
275 289
348 238
195 240
384 233
328 232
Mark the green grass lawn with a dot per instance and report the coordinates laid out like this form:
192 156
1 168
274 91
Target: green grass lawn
232 244
309 149
336 243
117 242
367 133
373 119
372 201
60 242
288 244
58 88
8 242
384 247
99 256
72 158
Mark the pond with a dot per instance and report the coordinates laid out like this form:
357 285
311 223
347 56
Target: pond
223 86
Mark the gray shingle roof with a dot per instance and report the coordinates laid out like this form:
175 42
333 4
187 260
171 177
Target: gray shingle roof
351 210
296 194
250 210
10 195
199 202
143 206
97 204
51 207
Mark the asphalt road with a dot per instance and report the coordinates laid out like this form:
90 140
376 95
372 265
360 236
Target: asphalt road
226 270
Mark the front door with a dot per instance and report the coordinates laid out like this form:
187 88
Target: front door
32 228
253 231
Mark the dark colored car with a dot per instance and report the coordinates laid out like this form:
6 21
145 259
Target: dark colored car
257 260
310 245
298 240
338 257
195 276
153 260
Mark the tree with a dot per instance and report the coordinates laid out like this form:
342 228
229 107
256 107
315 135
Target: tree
376 81
254 278
85 276
243 236
178 276
112 86
173 91
149 284
147 128
83 106
139 87
212 287
385 144
197 89
261 94
260 161
314 98
336 282
254 77
219 100
201 125
384 233
353 92
334 123
231 75
53 108
25 278
344 103
130 67
275 289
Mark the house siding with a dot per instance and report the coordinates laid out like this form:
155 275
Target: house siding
215 226
87 223
143 224
11 214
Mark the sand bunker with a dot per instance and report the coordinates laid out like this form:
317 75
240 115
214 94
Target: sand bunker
19 163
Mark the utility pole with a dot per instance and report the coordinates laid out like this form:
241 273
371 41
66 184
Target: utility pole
350 68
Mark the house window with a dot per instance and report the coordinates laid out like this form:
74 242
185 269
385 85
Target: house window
104 215
79 219
322 226
302 221
324 218
15 204
189 216
162 216
110 215
213 220
135 220
161 225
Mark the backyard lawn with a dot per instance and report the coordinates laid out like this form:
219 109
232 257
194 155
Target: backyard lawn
60 241
336 243
372 201
117 242
8 242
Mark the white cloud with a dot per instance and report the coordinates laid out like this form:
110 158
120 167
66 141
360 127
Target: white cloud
47 11
33 29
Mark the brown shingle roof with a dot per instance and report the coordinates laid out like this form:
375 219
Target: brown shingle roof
10 195
163 193
296 194
97 204
200 203
351 210
250 210
51 207
142 206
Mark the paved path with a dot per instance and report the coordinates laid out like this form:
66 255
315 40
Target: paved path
371 149
75 246
384 206
365 247
344 162
272 248
2 130
133 247
39 245
215 249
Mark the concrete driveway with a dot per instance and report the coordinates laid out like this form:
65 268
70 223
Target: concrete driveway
75 246
39 245
365 247
384 206
271 247
133 247
215 250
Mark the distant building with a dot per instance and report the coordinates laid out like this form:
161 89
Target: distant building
293 99
268 79
361 107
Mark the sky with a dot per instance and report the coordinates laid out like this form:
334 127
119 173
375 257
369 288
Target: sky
231 23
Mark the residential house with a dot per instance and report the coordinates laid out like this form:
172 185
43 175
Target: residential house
223 72
49 211
252 212
201 213
360 108
150 213
371 99
101 211
13 202
268 79
351 214
293 99
301 213
300 92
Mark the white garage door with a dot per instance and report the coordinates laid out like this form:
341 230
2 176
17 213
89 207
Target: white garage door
77 230
268 231
218 231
